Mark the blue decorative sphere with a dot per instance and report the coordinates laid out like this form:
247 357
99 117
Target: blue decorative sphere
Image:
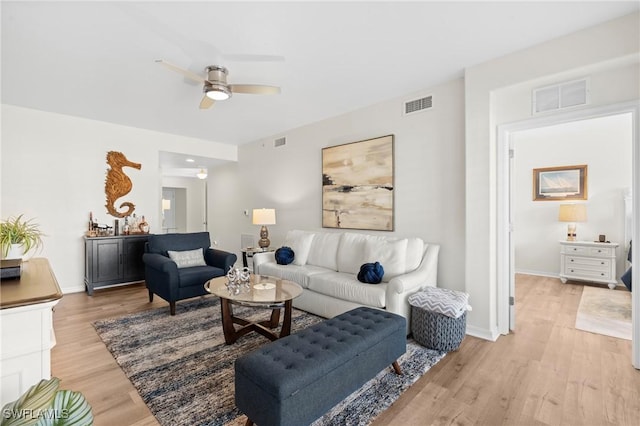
284 255
371 273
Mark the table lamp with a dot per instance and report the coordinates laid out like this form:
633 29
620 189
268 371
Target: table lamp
572 213
264 217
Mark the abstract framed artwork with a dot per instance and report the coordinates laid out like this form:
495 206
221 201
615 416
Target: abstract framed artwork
358 185
560 183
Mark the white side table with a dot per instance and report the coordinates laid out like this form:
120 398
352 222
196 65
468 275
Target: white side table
588 261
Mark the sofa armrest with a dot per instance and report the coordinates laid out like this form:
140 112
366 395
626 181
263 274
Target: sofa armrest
161 275
220 259
425 275
160 263
401 287
262 257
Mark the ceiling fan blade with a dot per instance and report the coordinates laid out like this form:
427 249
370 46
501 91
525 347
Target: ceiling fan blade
240 57
188 74
206 102
254 89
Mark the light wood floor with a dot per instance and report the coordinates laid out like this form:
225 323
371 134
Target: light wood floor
546 373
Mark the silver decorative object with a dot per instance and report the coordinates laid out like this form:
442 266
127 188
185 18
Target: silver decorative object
238 280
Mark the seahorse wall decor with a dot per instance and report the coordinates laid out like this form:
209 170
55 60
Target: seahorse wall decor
117 184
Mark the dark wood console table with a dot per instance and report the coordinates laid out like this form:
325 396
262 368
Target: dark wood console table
113 260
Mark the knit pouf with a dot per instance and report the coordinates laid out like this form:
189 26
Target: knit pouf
437 331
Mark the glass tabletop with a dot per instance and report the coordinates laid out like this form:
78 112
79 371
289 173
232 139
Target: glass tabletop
262 290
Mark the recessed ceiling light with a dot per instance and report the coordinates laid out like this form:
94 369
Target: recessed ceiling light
190 160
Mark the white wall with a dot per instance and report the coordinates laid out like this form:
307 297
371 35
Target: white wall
604 145
429 176
606 45
53 169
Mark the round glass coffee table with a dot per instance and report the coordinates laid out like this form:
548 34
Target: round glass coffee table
263 292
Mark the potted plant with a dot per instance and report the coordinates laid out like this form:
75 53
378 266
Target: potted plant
19 234
43 404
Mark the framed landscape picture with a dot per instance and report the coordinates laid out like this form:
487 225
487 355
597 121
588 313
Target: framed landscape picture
560 183
357 185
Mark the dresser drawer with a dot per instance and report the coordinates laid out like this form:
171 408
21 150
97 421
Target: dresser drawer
589 251
588 262
587 273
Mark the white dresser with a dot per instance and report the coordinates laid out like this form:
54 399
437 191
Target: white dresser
588 261
26 322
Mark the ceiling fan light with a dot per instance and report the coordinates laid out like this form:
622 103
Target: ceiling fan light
217 92
202 174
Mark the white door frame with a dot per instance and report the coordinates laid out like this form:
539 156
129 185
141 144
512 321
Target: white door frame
504 259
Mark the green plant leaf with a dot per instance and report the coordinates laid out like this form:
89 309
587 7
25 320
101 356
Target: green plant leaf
69 409
24 411
15 230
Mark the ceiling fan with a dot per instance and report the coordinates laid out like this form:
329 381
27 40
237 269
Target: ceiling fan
215 84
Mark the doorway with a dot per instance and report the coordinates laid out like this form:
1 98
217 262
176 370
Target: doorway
506 244
174 210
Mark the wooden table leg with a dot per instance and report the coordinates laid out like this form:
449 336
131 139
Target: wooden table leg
286 322
275 318
227 321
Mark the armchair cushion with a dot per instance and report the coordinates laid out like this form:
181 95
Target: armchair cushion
162 243
198 275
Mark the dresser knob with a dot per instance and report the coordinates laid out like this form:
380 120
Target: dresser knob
602 274
571 260
602 263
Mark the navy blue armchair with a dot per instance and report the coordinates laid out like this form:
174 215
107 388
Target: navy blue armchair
163 276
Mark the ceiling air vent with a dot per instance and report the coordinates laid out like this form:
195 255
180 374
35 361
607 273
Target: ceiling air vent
417 105
279 142
559 96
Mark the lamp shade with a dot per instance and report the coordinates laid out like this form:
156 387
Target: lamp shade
264 216
572 213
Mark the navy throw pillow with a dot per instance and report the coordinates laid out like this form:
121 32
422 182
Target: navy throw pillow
284 255
371 273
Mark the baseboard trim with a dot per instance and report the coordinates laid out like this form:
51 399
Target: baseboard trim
483 333
537 273
73 289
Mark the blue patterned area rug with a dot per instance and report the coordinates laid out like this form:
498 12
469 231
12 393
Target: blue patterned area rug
183 370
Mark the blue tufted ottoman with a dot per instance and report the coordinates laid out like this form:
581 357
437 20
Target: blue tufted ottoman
298 378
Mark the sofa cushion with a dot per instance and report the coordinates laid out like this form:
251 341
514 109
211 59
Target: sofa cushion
415 251
392 255
347 287
188 258
300 243
351 252
295 273
324 249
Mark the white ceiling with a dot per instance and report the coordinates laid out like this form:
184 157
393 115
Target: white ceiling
96 59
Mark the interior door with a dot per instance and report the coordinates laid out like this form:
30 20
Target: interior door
512 257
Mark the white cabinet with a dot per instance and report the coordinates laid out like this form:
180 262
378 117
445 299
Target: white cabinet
26 323
588 261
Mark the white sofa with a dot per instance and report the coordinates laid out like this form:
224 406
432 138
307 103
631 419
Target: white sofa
326 265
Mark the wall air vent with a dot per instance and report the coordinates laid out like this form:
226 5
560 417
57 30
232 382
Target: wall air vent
559 96
417 105
279 142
